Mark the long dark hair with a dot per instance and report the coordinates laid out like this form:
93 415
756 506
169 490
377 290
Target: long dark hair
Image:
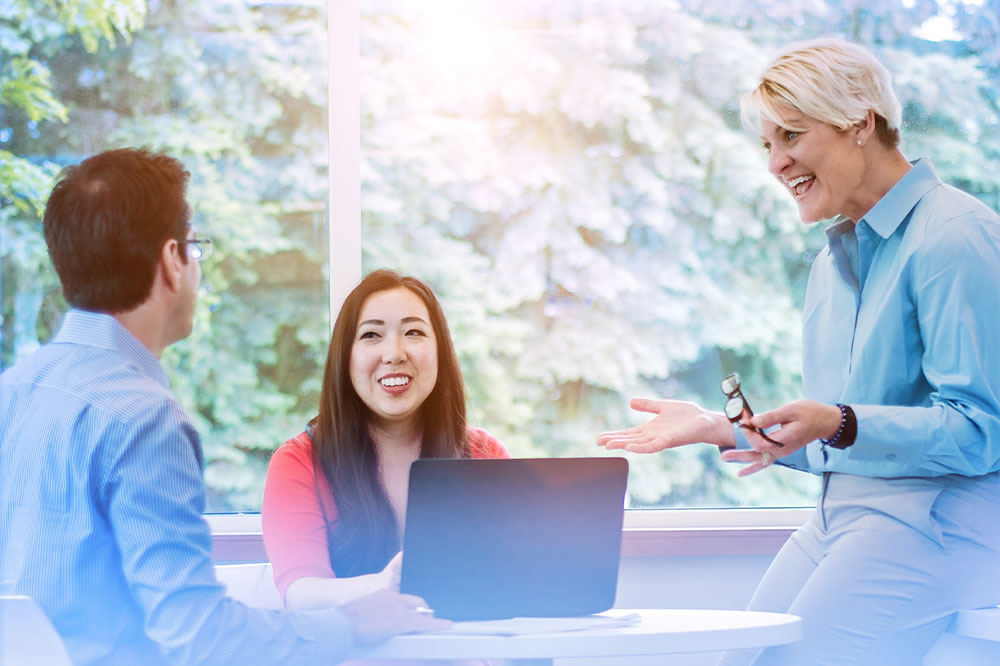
366 533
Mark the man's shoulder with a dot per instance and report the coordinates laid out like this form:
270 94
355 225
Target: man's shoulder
97 377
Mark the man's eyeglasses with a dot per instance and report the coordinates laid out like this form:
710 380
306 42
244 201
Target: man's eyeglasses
738 409
199 248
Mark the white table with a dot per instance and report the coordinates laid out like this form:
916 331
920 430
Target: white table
661 632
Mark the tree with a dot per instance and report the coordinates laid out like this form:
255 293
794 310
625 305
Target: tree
571 178
238 93
582 169
30 34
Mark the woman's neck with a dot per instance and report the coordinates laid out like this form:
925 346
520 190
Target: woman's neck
884 169
397 446
397 437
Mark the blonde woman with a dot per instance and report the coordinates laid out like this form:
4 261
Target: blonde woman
901 372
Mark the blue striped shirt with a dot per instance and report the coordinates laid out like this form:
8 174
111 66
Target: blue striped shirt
101 501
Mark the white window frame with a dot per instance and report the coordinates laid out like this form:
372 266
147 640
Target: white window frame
635 519
732 532
344 113
344 204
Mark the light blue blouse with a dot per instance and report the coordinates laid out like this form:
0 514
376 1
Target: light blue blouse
900 322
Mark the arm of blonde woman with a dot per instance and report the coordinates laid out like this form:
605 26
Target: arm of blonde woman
676 423
311 593
800 422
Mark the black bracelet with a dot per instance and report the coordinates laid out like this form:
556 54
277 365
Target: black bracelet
847 432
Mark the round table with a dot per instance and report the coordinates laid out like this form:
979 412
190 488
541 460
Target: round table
660 632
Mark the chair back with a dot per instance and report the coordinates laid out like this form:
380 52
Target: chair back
26 635
253 584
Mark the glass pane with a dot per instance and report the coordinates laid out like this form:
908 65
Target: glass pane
236 90
573 180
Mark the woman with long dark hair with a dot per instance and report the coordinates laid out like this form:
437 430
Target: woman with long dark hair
335 495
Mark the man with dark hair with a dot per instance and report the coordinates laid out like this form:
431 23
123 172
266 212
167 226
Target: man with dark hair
105 224
102 493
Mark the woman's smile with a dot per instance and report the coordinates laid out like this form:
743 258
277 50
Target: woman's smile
395 384
800 185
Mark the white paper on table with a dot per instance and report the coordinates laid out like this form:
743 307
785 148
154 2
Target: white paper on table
518 626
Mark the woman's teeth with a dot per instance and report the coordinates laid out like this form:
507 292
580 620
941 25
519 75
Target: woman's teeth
796 182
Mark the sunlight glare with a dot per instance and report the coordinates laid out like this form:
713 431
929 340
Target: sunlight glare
458 41
938 29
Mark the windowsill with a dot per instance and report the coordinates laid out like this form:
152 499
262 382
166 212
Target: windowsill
647 533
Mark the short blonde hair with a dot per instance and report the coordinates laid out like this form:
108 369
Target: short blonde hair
828 79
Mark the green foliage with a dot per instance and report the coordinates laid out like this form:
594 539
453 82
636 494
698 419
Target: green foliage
23 184
578 170
244 107
26 85
571 178
93 20
29 33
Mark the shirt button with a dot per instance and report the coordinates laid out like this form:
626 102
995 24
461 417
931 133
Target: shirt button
890 456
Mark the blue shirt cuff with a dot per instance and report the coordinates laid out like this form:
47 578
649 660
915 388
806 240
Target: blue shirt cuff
334 635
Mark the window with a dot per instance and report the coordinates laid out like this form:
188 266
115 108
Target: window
237 91
570 176
574 180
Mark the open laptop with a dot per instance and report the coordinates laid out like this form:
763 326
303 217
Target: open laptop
492 539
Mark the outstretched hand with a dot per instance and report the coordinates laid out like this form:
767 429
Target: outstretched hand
385 613
676 423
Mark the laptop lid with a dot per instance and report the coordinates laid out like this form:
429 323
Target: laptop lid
490 539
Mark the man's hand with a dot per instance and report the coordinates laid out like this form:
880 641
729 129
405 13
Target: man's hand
387 613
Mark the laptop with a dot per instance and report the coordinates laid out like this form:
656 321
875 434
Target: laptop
528 537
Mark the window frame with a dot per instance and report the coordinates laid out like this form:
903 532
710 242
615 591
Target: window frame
237 537
344 163
647 531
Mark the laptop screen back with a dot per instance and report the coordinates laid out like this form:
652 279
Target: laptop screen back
490 539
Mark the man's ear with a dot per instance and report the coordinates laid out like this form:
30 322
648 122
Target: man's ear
171 265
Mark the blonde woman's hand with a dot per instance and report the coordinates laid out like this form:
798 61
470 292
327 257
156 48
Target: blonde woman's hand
676 423
800 422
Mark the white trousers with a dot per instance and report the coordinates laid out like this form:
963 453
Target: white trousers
879 569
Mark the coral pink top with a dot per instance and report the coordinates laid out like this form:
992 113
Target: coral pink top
292 519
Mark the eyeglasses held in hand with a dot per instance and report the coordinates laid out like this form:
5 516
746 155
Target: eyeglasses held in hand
199 248
738 409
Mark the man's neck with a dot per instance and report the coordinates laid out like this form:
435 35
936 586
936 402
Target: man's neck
145 322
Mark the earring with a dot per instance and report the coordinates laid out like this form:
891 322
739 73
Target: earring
859 142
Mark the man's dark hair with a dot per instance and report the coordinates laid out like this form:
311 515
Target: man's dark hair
106 222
